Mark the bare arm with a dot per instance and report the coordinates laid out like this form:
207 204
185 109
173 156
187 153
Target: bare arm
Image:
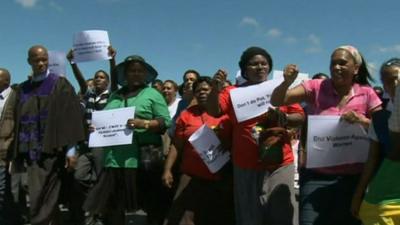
370 167
281 95
77 73
167 177
213 107
295 119
113 66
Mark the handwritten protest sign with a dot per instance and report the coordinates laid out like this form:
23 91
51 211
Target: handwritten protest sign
91 45
57 63
332 142
207 144
249 102
110 127
301 77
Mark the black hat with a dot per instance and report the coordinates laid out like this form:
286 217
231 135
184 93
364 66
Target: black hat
151 72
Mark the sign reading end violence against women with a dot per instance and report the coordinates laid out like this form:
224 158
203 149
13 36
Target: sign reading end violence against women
332 142
110 127
91 45
208 146
252 101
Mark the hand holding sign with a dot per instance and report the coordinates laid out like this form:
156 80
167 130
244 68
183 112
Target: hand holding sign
91 45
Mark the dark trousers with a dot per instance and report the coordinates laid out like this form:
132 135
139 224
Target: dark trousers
8 214
326 199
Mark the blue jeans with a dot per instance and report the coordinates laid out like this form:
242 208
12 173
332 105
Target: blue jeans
326 199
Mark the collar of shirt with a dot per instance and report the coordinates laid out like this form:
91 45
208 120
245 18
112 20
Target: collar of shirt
5 93
40 77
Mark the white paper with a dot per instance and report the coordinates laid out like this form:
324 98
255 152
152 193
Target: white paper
110 127
57 63
301 77
332 142
207 144
91 45
252 101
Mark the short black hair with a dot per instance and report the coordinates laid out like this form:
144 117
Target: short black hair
319 76
174 84
200 80
105 73
191 71
248 54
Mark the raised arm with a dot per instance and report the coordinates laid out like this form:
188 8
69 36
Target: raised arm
213 107
281 95
77 73
113 66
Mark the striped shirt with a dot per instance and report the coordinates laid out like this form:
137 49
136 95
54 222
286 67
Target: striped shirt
94 102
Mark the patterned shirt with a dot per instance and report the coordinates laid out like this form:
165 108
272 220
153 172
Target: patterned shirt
94 102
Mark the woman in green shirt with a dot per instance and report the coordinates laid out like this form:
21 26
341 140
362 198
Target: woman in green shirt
116 191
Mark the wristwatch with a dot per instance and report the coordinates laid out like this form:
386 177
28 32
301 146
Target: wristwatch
146 124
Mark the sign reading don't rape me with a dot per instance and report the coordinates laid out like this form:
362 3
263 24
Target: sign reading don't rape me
91 45
110 127
251 101
333 142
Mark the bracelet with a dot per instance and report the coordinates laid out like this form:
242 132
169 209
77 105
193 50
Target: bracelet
146 124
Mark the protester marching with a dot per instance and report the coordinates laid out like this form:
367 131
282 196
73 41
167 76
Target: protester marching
275 147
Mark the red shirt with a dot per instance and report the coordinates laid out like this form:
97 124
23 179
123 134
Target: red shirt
244 147
187 123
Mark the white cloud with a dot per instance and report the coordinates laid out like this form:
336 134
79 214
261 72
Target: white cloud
313 49
274 33
313 39
27 3
390 49
249 21
290 40
315 44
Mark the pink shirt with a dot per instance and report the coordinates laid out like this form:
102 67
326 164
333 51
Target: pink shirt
322 99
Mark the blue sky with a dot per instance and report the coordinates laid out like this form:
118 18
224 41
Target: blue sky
176 35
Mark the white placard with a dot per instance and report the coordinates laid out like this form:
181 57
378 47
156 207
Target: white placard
57 63
110 127
333 142
91 45
301 77
252 101
207 144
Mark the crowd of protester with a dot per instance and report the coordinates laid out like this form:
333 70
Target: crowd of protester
46 163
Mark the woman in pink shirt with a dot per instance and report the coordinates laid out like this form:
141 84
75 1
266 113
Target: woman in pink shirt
325 193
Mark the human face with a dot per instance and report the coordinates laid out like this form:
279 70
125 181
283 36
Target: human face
343 68
4 80
39 60
190 78
135 74
390 79
257 69
169 91
202 92
158 86
100 81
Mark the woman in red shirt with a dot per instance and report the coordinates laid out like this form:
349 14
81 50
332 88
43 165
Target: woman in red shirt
207 195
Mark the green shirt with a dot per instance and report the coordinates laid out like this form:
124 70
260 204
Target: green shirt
149 104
